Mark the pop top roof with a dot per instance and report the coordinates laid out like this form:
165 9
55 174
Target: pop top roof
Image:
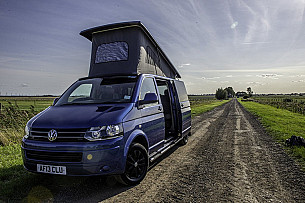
88 33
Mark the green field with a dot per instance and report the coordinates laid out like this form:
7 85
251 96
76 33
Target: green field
27 103
281 124
201 104
196 99
15 112
15 181
204 106
294 104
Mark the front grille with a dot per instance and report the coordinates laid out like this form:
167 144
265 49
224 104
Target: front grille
63 135
54 156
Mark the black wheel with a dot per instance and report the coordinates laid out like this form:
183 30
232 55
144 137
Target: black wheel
184 140
136 165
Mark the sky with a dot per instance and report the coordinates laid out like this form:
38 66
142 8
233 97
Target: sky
213 43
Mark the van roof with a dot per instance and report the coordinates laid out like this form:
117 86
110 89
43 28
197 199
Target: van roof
89 32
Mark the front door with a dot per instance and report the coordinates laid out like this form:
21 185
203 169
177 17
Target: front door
152 116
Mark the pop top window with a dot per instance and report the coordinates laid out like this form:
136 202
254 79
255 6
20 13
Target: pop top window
114 51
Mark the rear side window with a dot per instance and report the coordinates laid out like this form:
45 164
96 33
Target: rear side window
181 91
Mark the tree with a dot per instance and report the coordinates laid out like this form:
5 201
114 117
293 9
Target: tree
230 92
221 94
250 92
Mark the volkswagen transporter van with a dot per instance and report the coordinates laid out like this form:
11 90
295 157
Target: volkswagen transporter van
126 113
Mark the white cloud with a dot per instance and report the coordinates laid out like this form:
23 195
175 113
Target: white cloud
298 81
271 76
189 83
234 25
297 76
213 78
183 65
255 83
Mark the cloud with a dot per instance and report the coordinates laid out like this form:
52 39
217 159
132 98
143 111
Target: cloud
255 43
271 76
229 76
255 83
212 78
298 81
234 25
24 85
183 65
189 83
297 76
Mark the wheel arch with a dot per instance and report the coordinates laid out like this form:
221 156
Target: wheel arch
137 136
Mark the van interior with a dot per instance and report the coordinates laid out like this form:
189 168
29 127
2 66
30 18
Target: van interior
168 109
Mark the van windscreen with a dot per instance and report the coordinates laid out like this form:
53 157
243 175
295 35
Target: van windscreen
99 90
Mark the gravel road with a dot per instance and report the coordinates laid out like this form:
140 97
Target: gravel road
229 158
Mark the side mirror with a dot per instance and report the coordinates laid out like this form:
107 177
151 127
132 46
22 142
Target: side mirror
55 101
149 98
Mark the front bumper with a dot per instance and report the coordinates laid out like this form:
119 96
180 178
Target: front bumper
80 158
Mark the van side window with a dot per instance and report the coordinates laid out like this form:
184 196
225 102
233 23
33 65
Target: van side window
181 91
148 86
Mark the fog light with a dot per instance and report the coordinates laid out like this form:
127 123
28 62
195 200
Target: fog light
105 168
89 156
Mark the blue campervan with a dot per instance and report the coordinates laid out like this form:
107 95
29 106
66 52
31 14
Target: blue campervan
128 111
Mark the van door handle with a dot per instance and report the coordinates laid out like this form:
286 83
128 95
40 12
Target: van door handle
160 109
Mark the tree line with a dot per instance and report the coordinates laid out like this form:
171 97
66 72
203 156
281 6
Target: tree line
228 92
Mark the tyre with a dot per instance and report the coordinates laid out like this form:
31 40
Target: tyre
184 140
136 165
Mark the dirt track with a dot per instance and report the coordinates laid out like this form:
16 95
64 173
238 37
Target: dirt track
229 157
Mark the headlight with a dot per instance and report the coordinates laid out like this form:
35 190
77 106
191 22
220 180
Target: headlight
113 130
26 132
104 132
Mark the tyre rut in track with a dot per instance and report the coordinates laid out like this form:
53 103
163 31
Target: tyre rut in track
235 160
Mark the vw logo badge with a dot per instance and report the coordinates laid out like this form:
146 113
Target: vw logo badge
52 135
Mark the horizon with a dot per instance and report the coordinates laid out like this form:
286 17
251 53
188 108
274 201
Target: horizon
212 44
204 94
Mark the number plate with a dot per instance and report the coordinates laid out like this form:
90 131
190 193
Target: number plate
61 170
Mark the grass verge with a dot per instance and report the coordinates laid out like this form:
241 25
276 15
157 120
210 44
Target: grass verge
200 108
14 180
281 124
18 185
